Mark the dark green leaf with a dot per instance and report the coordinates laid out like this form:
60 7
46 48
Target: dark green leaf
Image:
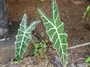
23 37
55 31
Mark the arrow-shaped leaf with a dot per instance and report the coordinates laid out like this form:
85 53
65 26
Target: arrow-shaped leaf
23 37
55 31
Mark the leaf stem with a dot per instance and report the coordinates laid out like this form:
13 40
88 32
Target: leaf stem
32 41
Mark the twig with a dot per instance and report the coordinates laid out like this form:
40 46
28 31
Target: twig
77 46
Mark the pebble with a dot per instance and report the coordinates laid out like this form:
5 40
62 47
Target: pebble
35 60
78 65
56 61
72 65
82 65
77 2
14 66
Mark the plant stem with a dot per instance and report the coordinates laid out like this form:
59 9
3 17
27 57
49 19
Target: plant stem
33 41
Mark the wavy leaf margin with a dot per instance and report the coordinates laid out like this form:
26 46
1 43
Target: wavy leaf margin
55 31
23 37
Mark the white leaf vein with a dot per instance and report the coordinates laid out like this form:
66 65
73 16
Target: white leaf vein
50 29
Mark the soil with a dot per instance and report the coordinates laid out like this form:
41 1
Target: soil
71 12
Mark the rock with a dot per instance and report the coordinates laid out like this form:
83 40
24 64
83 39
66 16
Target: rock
6 54
35 60
82 65
56 61
7 50
77 2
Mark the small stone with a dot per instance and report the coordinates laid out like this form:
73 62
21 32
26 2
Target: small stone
77 2
56 61
14 66
35 60
82 65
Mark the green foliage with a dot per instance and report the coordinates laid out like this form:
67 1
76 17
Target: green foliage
42 34
40 48
36 15
55 31
88 60
87 11
23 37
42 45
41 0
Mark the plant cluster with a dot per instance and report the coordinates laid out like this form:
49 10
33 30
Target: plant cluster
40 48
54 29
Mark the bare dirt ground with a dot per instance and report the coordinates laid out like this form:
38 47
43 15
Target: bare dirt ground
71 12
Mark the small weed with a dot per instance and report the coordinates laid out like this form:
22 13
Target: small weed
40 49
11 61
41 0
36 15
88 61
87 12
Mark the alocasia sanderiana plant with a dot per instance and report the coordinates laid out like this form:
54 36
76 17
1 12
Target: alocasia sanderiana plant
55 31
23 37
